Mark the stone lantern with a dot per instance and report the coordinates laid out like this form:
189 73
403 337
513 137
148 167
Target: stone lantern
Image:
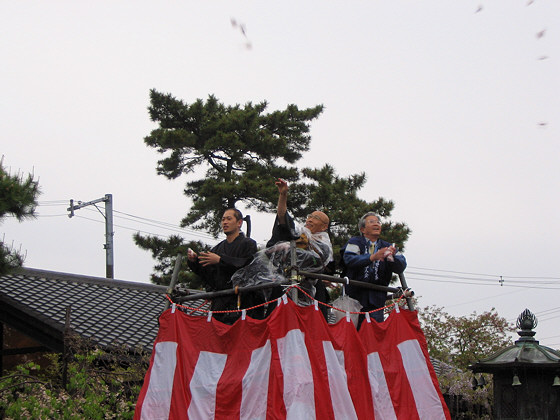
526 376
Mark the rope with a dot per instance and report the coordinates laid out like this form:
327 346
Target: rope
197 308
274 300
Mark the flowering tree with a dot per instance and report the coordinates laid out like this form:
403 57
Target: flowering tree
459 341
464 400
462 340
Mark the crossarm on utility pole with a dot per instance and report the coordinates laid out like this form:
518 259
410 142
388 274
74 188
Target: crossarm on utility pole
108 200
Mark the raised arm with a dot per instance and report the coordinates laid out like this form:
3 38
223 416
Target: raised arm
282 200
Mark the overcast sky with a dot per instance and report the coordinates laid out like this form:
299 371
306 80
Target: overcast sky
450 107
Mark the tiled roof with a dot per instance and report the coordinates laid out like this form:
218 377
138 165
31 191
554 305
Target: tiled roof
105 310
441 367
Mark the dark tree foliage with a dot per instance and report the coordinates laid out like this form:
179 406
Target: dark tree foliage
338 198
240 149
18 198
165 253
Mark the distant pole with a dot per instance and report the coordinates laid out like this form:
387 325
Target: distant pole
110 265
108 245
66 350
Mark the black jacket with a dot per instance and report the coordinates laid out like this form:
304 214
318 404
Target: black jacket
233 256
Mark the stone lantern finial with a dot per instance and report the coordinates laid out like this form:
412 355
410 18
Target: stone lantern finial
526 322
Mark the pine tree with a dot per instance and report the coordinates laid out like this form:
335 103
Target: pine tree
240 149
18 198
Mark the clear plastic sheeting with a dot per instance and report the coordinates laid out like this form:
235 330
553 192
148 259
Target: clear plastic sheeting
347 304
261 270
271 263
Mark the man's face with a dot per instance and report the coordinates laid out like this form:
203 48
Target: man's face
372 229
317 222
229 223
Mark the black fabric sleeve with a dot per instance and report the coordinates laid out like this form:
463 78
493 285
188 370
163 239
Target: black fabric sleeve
282 232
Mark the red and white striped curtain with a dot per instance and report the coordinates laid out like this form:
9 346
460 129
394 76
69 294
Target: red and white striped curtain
292 365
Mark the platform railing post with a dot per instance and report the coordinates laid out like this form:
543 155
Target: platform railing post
293 273
174 277
409 301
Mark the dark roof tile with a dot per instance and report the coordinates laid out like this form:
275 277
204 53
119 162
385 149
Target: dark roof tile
104 310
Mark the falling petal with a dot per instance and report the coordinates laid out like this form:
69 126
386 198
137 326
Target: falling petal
243 31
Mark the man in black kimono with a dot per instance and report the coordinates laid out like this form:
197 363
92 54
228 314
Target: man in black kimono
218 265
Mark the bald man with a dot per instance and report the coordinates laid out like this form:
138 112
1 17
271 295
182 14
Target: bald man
312 236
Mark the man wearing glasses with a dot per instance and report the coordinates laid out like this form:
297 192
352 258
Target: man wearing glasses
373 260
312 238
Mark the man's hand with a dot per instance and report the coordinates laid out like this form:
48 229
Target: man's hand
191 255
208 258
382 253
282 186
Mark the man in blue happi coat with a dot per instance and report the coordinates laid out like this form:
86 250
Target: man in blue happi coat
370 259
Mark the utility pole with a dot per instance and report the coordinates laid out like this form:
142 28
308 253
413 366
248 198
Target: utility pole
108 245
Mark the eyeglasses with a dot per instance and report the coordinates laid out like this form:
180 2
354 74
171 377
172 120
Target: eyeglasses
317 217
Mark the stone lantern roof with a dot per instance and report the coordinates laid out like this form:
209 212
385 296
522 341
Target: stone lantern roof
525 376
526 352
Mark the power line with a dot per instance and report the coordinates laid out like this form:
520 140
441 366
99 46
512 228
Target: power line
145 218
123 227
129 228
484 298
456 277
479 279
165 225
52 203
547 311
541 320
483 284
552 336
486 275
545 315
162 225
36 216
451 271
137 219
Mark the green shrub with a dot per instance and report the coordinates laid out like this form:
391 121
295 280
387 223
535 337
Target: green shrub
100 384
